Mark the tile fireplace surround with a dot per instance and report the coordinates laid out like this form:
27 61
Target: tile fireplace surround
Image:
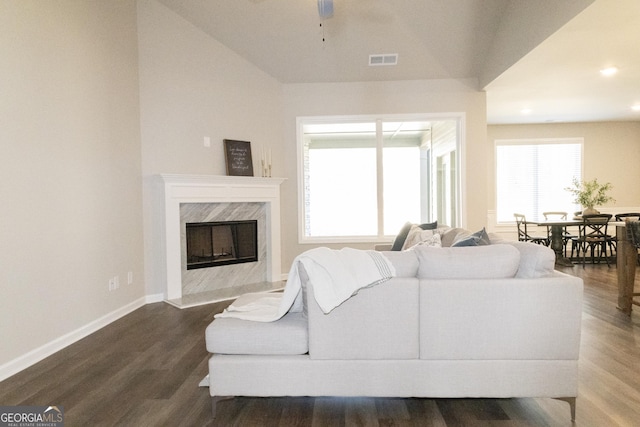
180 191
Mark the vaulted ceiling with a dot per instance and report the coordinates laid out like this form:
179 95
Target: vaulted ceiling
540 56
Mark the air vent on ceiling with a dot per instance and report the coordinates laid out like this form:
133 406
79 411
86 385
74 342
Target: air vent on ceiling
386 59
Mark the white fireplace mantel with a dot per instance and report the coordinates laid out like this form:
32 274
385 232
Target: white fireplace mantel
180 189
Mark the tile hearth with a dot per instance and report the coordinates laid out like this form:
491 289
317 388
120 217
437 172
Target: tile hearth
225 294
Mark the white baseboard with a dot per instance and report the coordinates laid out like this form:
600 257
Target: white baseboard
150 299
34 356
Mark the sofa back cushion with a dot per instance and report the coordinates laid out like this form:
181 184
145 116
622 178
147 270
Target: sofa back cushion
535 260
405 262
468 262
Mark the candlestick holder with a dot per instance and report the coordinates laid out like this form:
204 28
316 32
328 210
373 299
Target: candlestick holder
266 169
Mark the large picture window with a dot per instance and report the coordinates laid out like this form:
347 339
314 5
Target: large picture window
363 178
532 174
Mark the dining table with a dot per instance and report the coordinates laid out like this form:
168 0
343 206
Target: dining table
626 257
557 227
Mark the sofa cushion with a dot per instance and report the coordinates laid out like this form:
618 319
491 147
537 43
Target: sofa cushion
289 335
535 260
404 262
468 262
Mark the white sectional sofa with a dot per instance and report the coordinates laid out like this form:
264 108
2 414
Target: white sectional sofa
487 321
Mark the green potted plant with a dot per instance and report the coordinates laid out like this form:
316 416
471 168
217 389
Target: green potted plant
589 194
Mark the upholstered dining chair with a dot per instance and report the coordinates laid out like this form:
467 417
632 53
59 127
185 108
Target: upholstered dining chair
593 238
523 234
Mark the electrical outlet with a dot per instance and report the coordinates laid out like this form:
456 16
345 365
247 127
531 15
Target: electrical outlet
129 277
116 281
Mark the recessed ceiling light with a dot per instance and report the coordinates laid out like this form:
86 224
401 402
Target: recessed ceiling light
635 107
526 111
609 71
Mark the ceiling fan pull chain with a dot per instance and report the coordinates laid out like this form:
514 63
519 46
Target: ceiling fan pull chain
325 10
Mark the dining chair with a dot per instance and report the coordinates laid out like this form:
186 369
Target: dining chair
628 215
523 234
554 215
610 241
593 238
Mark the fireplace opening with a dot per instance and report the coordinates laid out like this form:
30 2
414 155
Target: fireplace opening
210 244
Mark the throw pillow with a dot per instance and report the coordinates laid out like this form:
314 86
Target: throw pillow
448 235
417 235
399 241
429 225
433 240
479 238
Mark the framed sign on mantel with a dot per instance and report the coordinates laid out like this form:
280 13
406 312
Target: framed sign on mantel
237 155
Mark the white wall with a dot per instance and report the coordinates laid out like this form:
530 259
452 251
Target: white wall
435 96
70 184
191 86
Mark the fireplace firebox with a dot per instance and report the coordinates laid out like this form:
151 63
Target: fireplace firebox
210 244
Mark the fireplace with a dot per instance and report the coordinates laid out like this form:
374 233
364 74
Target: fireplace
211 244
214 199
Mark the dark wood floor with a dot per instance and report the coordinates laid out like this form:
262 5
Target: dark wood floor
144 370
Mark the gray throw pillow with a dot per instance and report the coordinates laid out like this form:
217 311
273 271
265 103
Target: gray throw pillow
479 238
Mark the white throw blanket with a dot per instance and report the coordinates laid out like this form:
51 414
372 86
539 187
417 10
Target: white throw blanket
336 275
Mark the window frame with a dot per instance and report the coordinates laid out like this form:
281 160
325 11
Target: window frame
301 121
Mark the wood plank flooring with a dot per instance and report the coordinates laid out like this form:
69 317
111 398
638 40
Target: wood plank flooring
144 370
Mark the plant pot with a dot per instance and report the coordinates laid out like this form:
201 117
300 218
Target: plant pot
590 211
